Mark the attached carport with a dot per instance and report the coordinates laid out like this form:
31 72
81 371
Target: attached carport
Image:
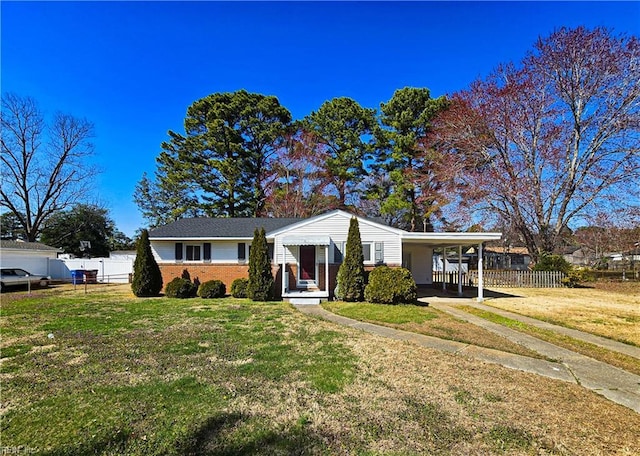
456 241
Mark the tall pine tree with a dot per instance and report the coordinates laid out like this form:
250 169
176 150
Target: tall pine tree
351 273
218 165
407 188
147 279
260 287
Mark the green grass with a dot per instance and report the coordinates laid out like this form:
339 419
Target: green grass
114 375
96 375
383 313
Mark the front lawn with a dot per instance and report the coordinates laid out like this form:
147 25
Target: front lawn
608 309
106 373
425 320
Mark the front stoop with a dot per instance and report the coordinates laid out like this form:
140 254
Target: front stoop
300 297
304 301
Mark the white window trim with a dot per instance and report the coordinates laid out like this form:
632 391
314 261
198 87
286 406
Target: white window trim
372 252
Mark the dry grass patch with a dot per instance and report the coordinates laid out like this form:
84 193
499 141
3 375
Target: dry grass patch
608 310
421 319
628 363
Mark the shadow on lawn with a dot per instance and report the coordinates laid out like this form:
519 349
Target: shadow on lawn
436 291
223 435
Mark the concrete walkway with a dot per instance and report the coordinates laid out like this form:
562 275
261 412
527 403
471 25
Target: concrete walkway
603 342
615 384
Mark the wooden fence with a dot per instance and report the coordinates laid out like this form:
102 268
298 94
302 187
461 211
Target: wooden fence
518 279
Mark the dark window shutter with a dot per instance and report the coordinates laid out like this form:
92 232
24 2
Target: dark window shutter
242 255
207 251
178 250
379 252
337 254
270 251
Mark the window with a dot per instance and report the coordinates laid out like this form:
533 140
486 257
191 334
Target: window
366 252
178 251
242 251
193 253
207 251
270 251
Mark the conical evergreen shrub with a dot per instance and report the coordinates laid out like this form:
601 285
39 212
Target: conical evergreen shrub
147 279
260 286
351 273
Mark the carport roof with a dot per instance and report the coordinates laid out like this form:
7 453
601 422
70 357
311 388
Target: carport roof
449 239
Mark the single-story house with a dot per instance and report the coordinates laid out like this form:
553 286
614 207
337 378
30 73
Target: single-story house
309 251
509 258
578 256
30 256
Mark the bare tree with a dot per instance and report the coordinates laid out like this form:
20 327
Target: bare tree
554 139
45 166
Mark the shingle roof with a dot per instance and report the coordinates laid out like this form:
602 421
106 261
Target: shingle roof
26 245
219 227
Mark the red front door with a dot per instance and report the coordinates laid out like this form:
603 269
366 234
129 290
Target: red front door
307 262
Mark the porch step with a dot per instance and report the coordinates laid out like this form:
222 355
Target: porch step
303 301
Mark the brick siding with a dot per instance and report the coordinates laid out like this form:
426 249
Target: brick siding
229 272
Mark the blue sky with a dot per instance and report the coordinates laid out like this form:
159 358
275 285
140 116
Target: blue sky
133 68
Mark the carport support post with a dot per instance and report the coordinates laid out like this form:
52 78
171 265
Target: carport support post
284 268
480 280
326 270
459 270
444 269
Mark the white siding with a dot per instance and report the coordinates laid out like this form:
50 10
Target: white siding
221 251
421 262
337 227
163 251
36 262
224 252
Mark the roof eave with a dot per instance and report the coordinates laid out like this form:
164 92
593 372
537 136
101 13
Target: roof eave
443 239
202 238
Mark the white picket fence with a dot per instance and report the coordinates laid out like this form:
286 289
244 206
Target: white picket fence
518 279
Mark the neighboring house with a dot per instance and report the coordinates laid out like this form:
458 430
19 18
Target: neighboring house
510 258
30 256
451 263
623 260
310 251
579 256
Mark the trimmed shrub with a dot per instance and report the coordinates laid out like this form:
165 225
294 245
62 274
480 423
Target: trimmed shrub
573 275
351 273
549 262
391 286
577 276
147 279
260 285
239 288
212 289
180 288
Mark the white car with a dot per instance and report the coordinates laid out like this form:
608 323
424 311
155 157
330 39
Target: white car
13 277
